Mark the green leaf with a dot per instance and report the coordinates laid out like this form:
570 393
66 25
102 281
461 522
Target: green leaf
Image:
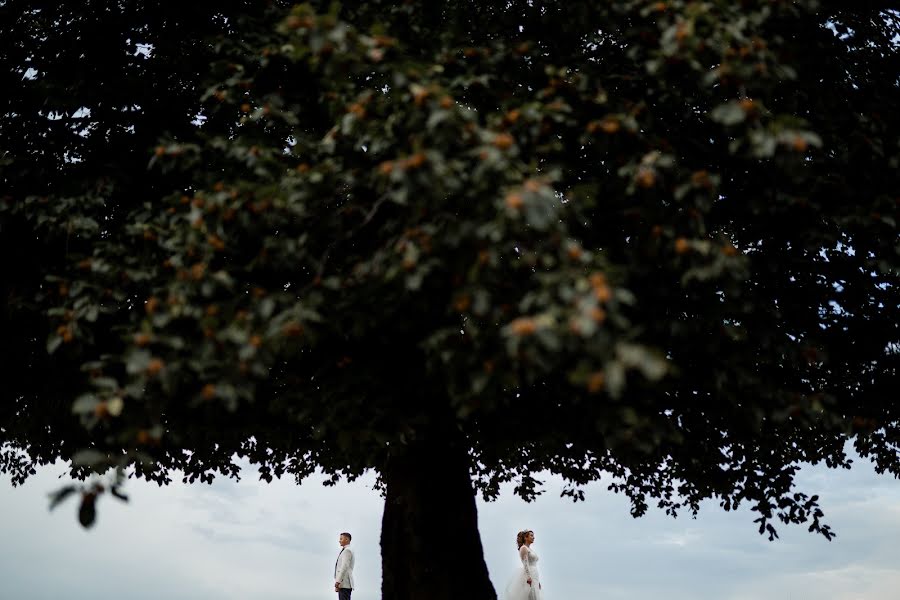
728 114
137 361
87 512
53 342
88 458
57 497
85 404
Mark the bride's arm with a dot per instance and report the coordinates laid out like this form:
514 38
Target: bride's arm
523 554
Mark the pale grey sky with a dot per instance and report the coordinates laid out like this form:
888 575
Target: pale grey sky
279 541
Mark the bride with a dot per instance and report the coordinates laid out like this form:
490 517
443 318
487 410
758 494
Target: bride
526 583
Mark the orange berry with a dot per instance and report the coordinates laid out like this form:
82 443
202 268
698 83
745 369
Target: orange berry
384 41
415 161
256 341
503 141
209 391
446 102
598 315
462 303
575 326
357 110
419 96
533 185
142 339
216 242
701 179
682 246
386 168
523 326
646 177
198 270
292 329
595 382
154 367
245 107
303 168
296 22
160 150
514 201
610 126
799 144
557 106
603 293
151 305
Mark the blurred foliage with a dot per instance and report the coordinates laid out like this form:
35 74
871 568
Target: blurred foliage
654 241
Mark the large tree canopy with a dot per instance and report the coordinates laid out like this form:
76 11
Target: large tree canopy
456 242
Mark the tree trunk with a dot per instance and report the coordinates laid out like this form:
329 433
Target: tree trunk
430 545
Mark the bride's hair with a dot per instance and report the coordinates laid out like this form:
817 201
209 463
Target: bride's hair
520 537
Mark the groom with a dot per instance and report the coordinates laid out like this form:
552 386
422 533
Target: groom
343 568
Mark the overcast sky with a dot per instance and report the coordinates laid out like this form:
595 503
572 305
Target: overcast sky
250 540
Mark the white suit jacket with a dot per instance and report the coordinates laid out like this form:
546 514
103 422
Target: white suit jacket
343 568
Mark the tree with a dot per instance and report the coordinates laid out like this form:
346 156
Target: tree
459 243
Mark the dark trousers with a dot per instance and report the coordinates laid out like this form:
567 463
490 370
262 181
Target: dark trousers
344 593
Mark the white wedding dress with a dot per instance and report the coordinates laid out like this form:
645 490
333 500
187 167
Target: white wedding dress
518 588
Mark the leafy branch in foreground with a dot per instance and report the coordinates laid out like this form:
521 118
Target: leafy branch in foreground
459 244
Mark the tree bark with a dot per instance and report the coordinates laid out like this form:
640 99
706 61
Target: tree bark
430 545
